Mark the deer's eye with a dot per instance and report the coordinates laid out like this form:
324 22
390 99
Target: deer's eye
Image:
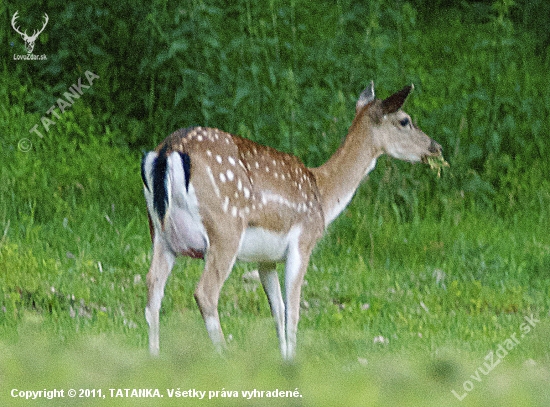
404 122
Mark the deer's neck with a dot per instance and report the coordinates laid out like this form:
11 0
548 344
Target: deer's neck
339 178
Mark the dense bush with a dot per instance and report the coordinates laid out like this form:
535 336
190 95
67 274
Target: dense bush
287 74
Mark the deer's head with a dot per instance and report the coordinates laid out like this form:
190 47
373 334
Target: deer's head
29 40
393 131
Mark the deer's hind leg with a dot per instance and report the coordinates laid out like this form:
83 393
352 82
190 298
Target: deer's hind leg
220 258
161 266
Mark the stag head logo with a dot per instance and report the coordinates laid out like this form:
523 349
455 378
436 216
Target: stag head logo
29 40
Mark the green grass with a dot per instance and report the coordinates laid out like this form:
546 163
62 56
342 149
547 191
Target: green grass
323 374
408 292
442 291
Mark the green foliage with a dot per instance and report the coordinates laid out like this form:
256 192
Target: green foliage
400 378
287 74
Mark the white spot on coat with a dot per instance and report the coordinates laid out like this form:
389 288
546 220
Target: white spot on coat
225 204
213 181
230 175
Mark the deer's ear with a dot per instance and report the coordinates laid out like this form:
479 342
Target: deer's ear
365 97
394 102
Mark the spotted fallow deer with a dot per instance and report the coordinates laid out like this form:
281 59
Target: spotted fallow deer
223 198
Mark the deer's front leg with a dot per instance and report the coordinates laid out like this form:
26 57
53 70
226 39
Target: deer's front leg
161 265
295 270
220 258
272 288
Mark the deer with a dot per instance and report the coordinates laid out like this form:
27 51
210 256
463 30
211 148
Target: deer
29 40
222 198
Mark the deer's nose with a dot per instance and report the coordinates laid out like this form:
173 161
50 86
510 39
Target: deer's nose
435 148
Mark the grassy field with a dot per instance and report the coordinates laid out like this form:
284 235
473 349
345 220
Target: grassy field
427 291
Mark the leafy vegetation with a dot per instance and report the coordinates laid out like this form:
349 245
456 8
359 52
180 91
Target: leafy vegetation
411 287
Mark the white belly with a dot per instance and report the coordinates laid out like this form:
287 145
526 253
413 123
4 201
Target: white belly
260 244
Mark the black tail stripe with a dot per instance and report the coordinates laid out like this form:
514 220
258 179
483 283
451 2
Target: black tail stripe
160 193
143 178
186 161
